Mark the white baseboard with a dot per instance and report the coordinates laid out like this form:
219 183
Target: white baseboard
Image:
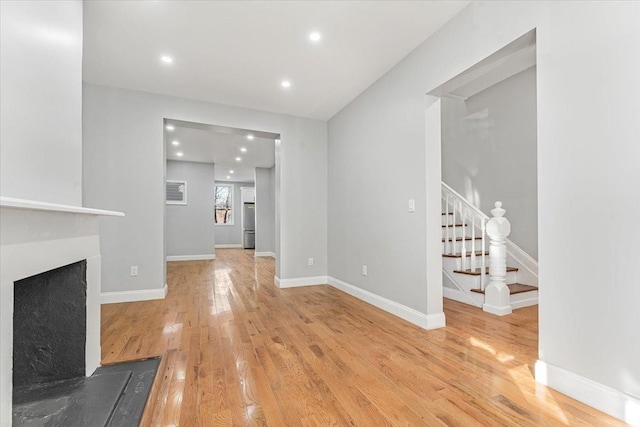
230 246
498 311
524 303
606 399
259 254
425 321
456 295
131 296
300 281
190 257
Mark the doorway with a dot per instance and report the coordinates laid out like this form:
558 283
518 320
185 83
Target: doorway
481 140
209 172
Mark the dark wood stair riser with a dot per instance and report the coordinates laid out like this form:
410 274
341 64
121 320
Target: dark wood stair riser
514 288
459 239
476 272
458 255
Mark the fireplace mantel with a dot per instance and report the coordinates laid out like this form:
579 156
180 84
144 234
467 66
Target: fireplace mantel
36 237
13 203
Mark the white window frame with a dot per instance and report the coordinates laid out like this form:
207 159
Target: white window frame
177 202
233 208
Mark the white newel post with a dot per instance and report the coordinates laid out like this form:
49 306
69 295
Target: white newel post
496 296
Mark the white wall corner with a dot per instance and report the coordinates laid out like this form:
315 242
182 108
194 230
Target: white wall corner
425 321
606 399
300 281
264 254
204 257
131 296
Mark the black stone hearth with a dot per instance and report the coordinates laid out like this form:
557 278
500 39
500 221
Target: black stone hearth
114 396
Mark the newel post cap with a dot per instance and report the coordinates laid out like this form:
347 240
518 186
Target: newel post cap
498 226
497 212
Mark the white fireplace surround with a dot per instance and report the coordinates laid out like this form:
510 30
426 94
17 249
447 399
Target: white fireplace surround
36 237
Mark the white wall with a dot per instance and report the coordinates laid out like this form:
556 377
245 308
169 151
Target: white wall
265 210
588 131
232 234
189 228
124 170
489 152
41 102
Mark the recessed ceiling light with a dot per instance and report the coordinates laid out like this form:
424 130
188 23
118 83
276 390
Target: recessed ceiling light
175 142
243 149
315 36
228 177
231 171
169 127
285 83
250 137
179 154
166 59
238 159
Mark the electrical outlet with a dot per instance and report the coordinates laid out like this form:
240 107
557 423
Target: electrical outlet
310 261
134 271
364 270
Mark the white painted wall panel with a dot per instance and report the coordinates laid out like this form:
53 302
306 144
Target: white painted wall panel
41 102
265 210
189 228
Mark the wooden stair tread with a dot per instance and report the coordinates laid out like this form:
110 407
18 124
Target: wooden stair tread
459 255
452 225
450 213
459 239
477 271
514 288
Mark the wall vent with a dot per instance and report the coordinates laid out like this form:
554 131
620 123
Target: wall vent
176 192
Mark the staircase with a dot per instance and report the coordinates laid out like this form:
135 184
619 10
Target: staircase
470 271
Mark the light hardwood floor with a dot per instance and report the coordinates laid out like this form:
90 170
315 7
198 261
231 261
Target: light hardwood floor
239 351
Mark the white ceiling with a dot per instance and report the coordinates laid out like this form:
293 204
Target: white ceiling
221 145
238 52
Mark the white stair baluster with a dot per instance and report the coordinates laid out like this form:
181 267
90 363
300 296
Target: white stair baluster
453 229
473 244
447 233
483 271
463 246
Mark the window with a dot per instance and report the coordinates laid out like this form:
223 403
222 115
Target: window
176 192
224 204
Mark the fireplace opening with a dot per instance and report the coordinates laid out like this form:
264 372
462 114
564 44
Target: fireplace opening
49 326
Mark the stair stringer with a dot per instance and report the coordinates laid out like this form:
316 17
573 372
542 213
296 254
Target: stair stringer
458 293
527 266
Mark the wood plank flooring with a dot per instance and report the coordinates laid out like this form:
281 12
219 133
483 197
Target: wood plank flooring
238 351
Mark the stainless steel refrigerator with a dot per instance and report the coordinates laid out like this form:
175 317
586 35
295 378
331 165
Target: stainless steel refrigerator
249 226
